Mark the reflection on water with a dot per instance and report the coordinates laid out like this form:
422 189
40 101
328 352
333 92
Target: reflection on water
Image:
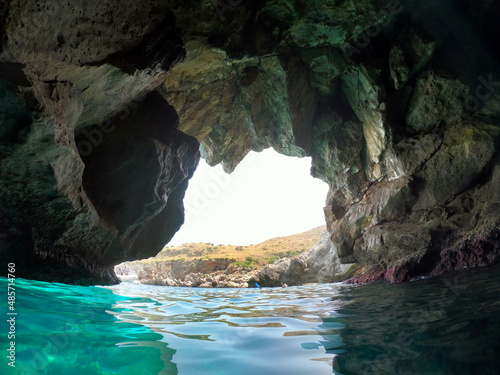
445 325
448 325
239 331
65 329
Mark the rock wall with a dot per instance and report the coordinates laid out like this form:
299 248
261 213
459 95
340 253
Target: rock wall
103 105
93 166
394 100
320 264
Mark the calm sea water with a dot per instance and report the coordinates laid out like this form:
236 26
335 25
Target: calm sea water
448 325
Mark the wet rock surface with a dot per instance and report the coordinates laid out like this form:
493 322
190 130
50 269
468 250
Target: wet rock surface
102 106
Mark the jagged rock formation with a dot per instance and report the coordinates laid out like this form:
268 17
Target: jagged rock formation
103 105
320 264
201 273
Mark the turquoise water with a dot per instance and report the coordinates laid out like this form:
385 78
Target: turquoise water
448 325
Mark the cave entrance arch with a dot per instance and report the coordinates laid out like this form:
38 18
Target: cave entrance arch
268 195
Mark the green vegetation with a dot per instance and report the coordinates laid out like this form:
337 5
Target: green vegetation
252 256
249 262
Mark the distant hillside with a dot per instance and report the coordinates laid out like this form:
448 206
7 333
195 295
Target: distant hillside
251 256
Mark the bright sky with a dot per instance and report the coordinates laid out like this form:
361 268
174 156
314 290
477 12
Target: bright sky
268 195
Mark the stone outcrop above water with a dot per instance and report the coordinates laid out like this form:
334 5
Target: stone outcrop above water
318 265
103 106
201 273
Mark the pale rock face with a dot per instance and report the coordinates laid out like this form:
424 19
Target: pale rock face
103 106
254 117
318 265
200 273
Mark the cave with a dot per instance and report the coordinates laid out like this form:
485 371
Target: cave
103 121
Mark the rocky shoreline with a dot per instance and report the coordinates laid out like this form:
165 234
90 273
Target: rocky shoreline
320 264
202 273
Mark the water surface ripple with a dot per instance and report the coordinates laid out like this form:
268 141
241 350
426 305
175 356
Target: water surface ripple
240 331
445 325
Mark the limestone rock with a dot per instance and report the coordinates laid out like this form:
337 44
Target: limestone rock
318 265
436 101
366 96
249 112
201 273
408 56
103 106
79 87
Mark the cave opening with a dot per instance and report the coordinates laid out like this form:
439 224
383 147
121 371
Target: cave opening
268 195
